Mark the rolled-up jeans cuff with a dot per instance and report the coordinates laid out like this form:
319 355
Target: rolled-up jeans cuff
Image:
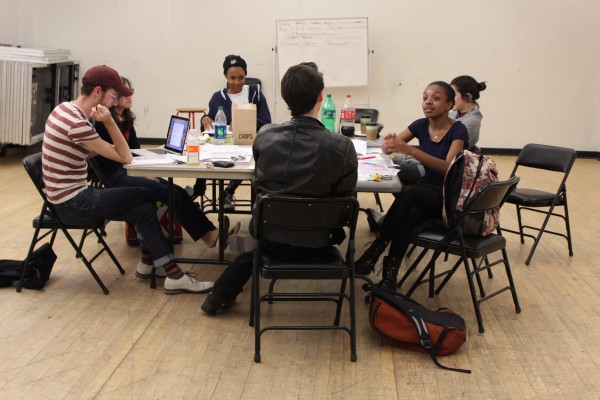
162 261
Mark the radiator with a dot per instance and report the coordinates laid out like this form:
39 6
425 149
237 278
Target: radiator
16 93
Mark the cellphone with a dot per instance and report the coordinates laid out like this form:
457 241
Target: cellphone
223 164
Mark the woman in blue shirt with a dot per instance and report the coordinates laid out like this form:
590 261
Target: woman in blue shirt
441 138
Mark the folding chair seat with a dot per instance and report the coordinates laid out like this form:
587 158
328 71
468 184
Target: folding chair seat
549 158
49 221
475 249
294 221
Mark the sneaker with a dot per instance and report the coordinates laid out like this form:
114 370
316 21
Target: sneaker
143 271
241 243
187 284
375 219
212 304
228 202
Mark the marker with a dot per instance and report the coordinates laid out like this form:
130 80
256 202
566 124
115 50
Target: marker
366 157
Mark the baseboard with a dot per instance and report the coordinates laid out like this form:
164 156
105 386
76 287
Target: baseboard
515 152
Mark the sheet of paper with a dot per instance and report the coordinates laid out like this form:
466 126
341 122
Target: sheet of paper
228 152
375 164
360 146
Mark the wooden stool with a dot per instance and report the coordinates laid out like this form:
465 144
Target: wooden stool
191 112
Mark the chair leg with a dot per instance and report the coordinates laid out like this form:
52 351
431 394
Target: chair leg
412 267
340 302
478 276
473 294
428 268
352 317
25 269
568 227
520 222
256 309
108 251
539 235
378 201
511 283
410 251
85 261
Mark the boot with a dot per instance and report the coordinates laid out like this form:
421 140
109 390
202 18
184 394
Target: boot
391 266
366 263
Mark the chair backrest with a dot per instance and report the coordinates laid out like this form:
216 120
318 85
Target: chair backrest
96 176
253 81
33 166
372 112
303 221
552 158
491 195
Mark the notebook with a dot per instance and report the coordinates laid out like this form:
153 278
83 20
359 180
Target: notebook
175 141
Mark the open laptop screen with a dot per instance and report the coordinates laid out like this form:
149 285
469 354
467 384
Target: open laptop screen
178 129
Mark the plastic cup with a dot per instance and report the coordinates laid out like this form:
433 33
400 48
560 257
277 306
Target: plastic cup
371 129
364 119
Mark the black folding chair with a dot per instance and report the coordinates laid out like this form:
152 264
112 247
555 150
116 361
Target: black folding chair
549 158
452 241
49 220
296 221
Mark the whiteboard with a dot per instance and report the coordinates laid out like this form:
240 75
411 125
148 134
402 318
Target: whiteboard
339 46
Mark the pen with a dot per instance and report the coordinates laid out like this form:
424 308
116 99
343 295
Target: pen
370 163
366 157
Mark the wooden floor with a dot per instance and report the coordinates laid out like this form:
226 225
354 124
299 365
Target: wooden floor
70 341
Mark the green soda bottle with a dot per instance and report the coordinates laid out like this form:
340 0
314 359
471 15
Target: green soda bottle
328 114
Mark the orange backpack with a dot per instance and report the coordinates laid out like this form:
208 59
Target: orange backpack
402 322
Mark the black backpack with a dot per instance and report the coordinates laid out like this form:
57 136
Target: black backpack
40 266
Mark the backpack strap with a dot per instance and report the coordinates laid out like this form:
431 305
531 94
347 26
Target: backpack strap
425 341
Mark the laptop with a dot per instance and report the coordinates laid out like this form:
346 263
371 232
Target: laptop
175 142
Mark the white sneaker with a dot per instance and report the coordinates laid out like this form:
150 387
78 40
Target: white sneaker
143 271
187 284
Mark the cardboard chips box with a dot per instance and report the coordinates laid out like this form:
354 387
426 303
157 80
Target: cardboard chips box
243 123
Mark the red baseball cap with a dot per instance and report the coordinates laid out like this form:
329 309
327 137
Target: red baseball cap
104 76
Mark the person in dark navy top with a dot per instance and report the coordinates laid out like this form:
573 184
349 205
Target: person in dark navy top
441 138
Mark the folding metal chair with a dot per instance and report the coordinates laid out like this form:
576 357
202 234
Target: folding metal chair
550 158
297 221
49 220
452 241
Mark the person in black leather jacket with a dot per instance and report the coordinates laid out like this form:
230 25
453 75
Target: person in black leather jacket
298 157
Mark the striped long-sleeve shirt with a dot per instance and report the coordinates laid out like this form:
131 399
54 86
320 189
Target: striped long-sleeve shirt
63 153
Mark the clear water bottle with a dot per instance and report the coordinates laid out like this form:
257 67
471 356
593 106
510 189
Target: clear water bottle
220 127
328 114
193 147
348 117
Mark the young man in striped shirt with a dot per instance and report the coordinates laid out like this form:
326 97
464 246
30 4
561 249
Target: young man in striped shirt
69 139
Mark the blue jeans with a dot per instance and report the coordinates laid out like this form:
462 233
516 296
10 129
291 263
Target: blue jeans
134 204
189 214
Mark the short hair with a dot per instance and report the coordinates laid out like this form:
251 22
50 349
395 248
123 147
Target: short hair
447 88
301 86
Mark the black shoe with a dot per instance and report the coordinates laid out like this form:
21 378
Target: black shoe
366 263
391 266
213 303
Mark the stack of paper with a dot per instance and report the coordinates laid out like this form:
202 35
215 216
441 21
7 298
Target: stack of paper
33 54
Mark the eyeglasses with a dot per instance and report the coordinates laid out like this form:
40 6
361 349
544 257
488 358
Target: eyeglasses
114 96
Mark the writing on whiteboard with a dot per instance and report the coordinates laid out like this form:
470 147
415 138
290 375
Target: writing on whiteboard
339 46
